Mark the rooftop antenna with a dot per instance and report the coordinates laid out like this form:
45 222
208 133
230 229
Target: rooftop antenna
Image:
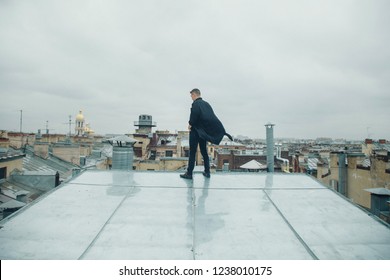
47 128
21 120
70 125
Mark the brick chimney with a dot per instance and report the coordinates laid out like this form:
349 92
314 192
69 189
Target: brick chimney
41 150
4 143
368 141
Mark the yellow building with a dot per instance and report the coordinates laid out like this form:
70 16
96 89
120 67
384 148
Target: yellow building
9 163
68 152
360 173
9 160
20 139
51 138
141 147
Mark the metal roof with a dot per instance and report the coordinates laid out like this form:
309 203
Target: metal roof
4 198
380 191
41 173
253 164
226 142
312 163
379 146
157 215
51 164
9 153
12 204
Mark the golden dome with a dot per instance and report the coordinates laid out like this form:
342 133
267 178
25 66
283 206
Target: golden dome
88 129
80 117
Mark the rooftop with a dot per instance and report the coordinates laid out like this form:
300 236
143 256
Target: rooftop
32 162
6 154
157 215
379 191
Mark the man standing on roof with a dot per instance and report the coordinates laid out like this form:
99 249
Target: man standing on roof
204 126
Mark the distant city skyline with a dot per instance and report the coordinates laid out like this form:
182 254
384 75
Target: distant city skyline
63 128
314 69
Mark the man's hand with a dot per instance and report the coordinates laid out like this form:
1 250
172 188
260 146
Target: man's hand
189 127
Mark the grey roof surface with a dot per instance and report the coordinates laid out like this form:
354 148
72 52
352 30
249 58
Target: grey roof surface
312 163
52 164
379 191
123 138
157 215
8 153
12 204
253 164
379 146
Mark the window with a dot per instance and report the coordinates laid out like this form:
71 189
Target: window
169 153
3 173
152 155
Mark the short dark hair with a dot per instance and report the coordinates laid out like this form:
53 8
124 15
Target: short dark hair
196 91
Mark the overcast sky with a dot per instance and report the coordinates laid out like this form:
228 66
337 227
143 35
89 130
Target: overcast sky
313 68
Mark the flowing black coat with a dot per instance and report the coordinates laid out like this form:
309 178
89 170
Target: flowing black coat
206 123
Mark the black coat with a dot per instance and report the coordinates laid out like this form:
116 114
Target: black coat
206 123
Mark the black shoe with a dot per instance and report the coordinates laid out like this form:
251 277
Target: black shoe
186 176
207 175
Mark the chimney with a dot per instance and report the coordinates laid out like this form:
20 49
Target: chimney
41 150
4 143
270 146
342 187
122 153
368 141
154 139
178 147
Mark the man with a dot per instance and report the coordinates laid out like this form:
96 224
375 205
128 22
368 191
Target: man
204 126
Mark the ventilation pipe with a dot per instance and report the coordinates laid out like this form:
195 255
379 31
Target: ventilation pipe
342 187
270 146
122 152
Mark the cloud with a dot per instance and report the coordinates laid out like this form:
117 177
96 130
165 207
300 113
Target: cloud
315 68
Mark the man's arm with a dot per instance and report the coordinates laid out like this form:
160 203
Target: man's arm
195 115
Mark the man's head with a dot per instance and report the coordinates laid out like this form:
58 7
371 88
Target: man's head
195 94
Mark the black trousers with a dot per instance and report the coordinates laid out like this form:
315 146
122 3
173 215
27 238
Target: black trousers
195 140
